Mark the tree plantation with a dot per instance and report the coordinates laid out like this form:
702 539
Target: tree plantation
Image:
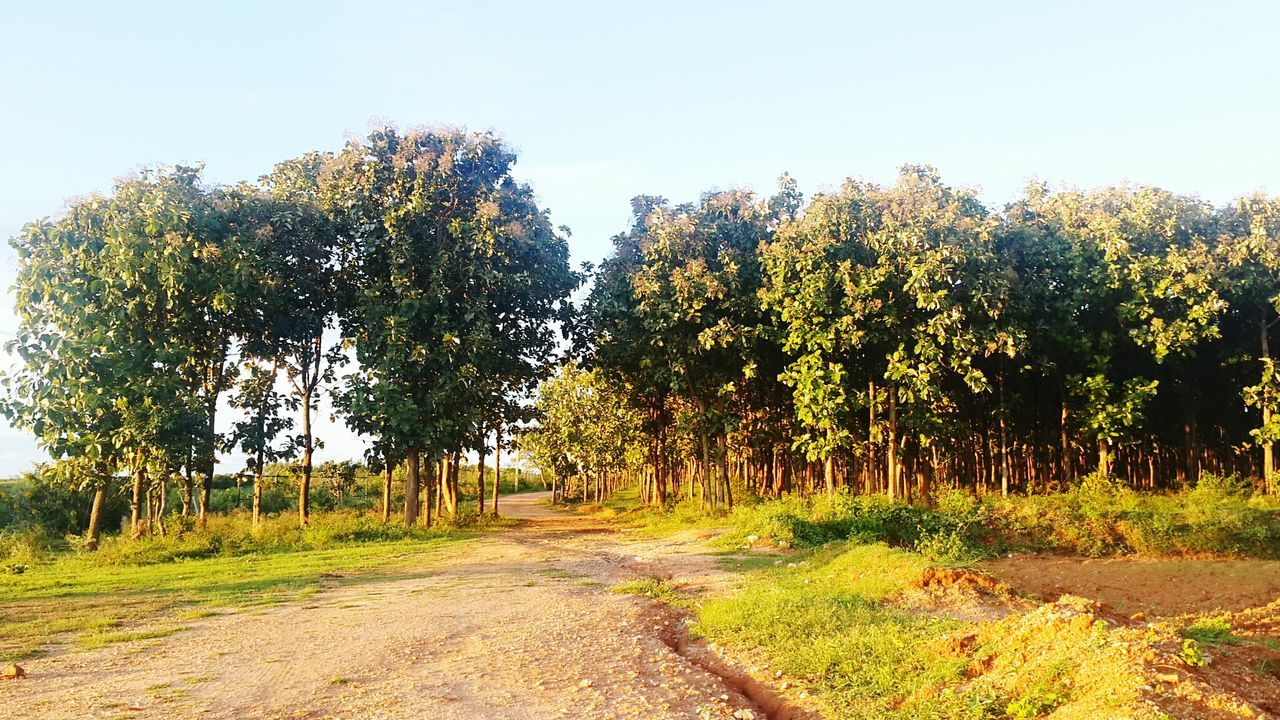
408 275
900 339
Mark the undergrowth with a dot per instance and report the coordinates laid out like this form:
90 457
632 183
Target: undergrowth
1096 519
229 535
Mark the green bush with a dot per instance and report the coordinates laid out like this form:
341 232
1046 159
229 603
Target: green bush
233 535
38 502
1097 518
1100 519
799 522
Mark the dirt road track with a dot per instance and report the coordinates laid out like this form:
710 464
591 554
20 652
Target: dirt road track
517 624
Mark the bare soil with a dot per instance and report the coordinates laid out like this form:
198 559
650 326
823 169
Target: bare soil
1130 586
520 624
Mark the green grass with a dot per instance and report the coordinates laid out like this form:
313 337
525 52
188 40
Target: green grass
836 624
102 639
82 595
1211 631
1097 519
826 623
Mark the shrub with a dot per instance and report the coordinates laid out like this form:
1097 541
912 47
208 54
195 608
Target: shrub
41 502
1219 487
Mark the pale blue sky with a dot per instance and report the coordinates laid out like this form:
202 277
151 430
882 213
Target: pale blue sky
608 100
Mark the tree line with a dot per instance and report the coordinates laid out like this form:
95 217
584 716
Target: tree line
894 339
415 254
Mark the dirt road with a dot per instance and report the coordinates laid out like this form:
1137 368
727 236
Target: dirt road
517 624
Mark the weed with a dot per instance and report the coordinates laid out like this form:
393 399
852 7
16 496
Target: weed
650 587
1191 654
1211 631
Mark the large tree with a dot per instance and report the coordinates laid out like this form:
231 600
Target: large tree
455 275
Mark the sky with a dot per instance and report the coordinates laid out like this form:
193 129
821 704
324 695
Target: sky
605 101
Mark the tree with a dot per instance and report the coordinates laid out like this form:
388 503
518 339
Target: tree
455 274
262 423
1250 251
886 288
302 281
585 430
97 383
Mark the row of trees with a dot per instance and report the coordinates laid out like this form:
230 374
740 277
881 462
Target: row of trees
417 254
892 338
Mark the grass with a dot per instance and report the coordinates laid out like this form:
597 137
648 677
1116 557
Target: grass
1211 631
98 598
959 529
102 639
650 587
835 624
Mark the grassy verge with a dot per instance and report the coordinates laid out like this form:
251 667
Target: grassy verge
1097 519
102 598
833 624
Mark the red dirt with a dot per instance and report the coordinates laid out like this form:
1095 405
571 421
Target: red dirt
948 578
1130 586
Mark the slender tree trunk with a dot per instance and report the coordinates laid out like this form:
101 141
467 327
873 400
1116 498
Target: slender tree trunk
1004 439
136 500
430 484
189 486
708 499
497 467
1066 445
95 515
162 505
723 463
304 487
411 489
257 497
387 475
893 442
871 443
480 486
1104 457
452 483
1268 448
210 462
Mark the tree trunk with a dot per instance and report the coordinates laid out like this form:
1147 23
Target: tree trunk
1104 456
188 487
726 492
708 499
1268 448
411 489
210 458
893 443
135 502
497 468
1066 446
1004 440
480 486
162 503
95 516
257 498
387 475
871 443
304 487
451 484
430 484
